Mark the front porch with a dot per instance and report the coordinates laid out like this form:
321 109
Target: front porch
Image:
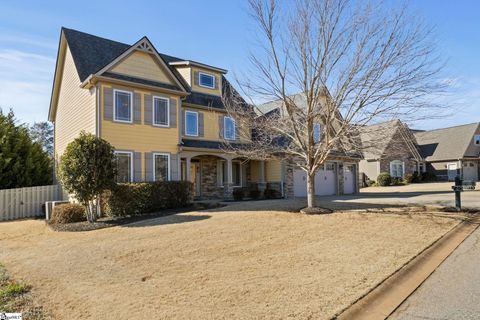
216 175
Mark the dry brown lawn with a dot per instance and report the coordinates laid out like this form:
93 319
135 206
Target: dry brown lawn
225 264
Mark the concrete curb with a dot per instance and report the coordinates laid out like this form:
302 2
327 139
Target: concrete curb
385 298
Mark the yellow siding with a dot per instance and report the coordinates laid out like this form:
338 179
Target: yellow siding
218 77
75 109
186 73
141 64
273 170
140 137
211 128
254 171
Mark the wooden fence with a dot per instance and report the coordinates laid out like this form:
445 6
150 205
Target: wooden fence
27 202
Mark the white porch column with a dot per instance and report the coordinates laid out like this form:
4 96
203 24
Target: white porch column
229 172
261 171
188 174
227 187
262 185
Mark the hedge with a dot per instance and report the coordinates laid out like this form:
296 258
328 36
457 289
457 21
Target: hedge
128 199
68 213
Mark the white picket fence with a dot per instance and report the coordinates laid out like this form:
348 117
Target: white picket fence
27 202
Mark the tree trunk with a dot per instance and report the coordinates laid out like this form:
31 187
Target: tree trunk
310 190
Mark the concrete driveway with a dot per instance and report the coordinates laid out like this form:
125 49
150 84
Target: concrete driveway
414 194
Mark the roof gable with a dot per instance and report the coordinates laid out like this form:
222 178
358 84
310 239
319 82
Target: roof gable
142 65
144 45
381 139
447 144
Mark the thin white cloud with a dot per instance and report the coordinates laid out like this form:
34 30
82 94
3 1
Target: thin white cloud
25 84
8 38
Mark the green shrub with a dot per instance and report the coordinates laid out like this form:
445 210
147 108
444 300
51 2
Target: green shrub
68 213
272 194
397 182
254 194
129 199
428 177
412 178
238 194
384 179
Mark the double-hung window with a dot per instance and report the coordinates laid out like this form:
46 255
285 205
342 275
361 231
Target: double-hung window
124 160
161 166
316 132
206 80
191 123
122 106
161 110
229 128
396 169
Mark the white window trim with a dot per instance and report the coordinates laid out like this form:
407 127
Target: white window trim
115 105
155 154
130 153
206 74
403 168
153 111
225 128
186 127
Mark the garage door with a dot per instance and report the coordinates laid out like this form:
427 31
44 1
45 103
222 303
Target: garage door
470 171
325 182
349 179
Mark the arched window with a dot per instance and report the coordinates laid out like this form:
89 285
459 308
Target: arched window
396 169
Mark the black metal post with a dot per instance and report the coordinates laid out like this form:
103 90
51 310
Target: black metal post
458 188
458 199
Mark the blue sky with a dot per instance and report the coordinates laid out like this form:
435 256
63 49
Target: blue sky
215 32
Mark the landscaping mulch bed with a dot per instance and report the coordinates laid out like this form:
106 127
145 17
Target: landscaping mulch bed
107 222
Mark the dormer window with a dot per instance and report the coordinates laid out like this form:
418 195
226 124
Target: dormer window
476 140
206 80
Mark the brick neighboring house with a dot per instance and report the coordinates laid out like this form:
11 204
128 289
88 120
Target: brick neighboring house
389 147
452 151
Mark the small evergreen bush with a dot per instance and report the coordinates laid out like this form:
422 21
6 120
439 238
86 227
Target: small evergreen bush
384 179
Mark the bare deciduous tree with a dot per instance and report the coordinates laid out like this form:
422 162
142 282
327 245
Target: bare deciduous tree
332 67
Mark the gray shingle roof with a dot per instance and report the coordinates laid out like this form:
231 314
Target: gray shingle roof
377 138
448 143
91 53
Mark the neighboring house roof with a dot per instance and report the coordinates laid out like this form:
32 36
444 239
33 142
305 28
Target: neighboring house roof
448 143
377 138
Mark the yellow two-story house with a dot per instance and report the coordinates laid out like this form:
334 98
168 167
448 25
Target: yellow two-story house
164 115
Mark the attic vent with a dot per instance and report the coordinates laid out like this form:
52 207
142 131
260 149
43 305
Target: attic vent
144 46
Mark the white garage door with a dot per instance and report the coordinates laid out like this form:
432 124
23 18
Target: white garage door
299 183
349 179
325 182
470 171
